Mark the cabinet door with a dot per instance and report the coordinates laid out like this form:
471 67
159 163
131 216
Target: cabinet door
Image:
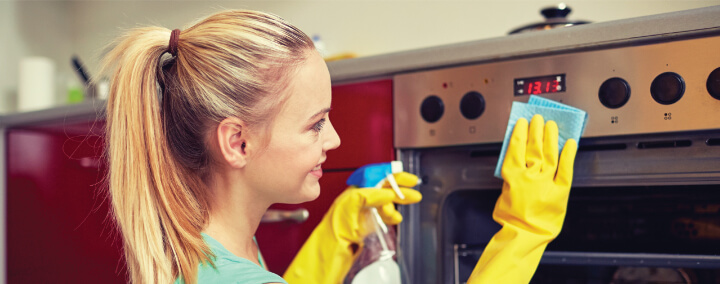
58 226
362 116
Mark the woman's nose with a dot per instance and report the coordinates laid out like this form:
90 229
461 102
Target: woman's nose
332 140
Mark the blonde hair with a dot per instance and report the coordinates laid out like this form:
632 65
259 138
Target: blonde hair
231 64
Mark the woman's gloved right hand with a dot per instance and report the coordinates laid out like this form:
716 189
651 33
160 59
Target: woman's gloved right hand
532 205
327 255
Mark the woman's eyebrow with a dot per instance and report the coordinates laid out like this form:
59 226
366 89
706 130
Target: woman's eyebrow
322 112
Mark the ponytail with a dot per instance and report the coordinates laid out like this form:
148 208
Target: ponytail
231 64
154 202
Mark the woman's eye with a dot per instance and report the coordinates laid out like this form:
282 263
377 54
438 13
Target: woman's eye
319 125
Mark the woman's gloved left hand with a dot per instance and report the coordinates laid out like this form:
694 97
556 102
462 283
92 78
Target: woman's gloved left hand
532 206
327 255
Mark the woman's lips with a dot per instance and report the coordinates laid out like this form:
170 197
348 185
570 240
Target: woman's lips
317 171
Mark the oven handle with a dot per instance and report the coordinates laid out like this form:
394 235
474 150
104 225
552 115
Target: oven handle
275 216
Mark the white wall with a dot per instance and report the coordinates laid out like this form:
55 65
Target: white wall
33 28
58 29
8 51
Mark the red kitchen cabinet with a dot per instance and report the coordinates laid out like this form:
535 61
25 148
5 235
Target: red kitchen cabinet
362 116
58 227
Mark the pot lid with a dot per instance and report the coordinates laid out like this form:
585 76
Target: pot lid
555 17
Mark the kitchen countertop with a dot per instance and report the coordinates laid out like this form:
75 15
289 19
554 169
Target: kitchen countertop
88 110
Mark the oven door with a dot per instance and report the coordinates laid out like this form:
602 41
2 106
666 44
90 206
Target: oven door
643 209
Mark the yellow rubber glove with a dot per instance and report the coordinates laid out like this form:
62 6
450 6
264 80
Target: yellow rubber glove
532 205
327 255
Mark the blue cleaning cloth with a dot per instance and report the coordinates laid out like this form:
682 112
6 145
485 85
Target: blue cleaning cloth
571 121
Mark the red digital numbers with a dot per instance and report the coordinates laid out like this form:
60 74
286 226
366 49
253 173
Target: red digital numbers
536 87
539 85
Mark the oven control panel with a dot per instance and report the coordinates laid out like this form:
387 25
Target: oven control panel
655 88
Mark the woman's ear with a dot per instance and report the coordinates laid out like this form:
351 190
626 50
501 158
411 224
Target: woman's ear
232 139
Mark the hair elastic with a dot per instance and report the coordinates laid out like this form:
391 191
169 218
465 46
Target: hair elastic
172 46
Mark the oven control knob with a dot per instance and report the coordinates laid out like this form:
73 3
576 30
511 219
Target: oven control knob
713 83
614 92
667 88
432 109
472 105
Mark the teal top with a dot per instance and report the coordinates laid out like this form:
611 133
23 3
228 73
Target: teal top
230 268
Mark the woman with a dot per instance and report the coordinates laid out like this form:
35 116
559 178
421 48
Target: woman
209 126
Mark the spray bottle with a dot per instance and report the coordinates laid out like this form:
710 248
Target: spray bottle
375 262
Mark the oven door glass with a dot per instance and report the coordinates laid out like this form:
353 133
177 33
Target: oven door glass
639 234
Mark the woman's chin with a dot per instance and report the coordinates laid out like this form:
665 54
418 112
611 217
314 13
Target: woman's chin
312 192
306 194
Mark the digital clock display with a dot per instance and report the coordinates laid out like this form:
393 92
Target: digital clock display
540 85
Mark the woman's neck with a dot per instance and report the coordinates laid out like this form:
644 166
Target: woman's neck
235 216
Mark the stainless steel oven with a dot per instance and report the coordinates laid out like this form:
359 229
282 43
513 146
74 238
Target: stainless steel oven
645 202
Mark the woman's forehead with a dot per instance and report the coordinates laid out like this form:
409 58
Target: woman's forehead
309 90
